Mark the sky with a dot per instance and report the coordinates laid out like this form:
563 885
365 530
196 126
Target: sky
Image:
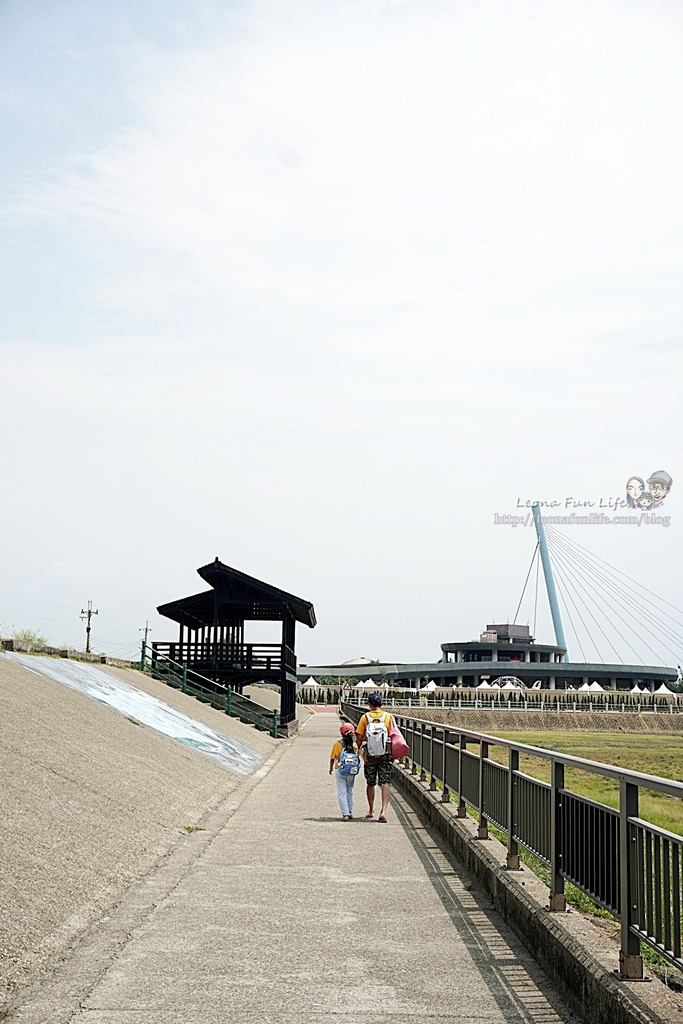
320 290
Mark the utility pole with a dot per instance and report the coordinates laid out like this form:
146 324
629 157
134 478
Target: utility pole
87 615
143 655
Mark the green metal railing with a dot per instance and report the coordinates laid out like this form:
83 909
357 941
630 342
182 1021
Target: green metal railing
626 864
180 677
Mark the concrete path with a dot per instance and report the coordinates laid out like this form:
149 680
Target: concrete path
285 914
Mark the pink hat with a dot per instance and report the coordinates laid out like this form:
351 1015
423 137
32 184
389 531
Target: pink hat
346 727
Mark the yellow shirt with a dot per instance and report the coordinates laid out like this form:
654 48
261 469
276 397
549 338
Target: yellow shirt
363 724
336 751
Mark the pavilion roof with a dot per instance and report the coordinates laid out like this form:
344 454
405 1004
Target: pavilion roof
234 591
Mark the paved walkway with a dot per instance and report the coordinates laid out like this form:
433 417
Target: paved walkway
279 912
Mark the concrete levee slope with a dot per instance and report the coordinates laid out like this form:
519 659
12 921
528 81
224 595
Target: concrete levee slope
92 801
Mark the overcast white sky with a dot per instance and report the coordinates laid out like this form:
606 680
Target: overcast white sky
320 287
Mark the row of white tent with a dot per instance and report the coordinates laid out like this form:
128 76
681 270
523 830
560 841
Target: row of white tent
370 684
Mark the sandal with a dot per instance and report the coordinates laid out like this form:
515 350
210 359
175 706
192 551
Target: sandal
382 817
369 815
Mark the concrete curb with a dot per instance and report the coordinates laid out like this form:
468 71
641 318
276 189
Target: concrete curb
598 995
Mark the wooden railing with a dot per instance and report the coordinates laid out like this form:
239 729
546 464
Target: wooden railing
265 658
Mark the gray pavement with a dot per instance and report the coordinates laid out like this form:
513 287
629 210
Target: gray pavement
279 912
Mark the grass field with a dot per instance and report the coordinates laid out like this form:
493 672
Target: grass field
660 754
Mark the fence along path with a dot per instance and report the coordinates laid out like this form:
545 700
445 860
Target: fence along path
285 914
627 865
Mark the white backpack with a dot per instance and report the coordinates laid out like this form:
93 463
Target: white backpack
377 736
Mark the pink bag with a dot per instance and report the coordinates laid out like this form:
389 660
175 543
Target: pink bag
399 747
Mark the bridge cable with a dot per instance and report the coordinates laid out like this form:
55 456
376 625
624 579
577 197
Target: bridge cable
538 566
642 613
595 619
533 558
591 554
583 566
571 569
569 614
610 599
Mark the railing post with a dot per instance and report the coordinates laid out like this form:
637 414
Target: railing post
276 724
557 902
513 848
423 773
462 809
630 960
432 778
143 656
184 678
482 831
445 796
228 701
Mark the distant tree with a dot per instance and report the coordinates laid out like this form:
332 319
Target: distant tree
30 636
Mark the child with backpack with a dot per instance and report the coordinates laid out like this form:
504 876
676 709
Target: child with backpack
345 763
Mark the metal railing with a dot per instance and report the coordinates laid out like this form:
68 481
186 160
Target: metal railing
546 700
627 865
180 677
242 657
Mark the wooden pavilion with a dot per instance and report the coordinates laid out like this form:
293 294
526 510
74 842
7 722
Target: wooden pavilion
211 637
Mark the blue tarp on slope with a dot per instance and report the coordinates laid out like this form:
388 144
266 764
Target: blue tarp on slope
143 708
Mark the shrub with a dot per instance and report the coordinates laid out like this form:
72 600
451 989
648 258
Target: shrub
30 636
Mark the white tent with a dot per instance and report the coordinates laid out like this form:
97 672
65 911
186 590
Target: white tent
595 687
311 682
509 683
584 688
637 689
367 685
484 686
385 685
664 691
495 686
428 687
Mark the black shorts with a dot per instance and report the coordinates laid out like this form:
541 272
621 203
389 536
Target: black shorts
381 772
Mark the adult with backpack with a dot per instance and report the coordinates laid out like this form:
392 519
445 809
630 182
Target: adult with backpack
372 734
345 763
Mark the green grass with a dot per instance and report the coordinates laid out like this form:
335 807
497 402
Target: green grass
661 754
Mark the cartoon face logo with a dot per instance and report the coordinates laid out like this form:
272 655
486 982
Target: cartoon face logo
659 484
634 488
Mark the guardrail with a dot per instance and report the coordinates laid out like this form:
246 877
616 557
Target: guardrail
625 864
180 677
551 701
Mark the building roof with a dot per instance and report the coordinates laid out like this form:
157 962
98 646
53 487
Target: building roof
234 595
